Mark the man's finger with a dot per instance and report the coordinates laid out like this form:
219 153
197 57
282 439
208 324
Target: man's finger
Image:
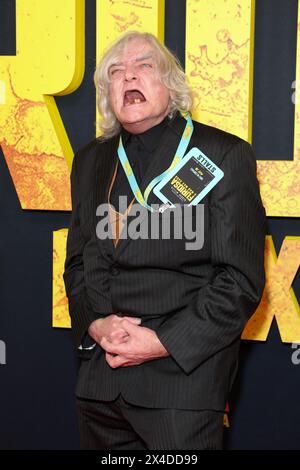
134 320
111 347
118 334
129 327
118 339
114 361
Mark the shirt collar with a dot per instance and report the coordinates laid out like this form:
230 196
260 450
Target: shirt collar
150 138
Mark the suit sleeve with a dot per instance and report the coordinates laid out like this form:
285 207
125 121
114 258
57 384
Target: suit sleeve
220 310
80 309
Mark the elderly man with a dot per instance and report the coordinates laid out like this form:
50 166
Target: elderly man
158 325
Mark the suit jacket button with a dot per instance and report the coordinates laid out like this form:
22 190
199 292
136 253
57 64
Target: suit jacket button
114 271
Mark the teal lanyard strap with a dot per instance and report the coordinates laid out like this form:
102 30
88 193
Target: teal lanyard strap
181 149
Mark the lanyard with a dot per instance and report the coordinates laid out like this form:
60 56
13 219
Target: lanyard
182 146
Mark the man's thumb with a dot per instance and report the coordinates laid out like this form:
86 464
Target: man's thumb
134 320
129 326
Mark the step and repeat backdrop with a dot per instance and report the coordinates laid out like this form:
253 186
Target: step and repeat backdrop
243 63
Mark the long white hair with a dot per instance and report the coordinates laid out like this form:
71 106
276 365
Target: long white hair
170 72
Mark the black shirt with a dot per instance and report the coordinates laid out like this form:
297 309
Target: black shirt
140 149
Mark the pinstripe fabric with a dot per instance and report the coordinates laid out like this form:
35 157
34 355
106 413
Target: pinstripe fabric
121 426
198 302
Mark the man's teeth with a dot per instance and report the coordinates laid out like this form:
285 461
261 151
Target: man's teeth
137 100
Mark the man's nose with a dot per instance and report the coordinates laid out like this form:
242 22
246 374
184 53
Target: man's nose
130 73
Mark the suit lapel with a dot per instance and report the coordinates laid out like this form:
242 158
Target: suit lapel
104 169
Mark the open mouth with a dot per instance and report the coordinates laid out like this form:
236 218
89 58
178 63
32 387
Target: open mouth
133 97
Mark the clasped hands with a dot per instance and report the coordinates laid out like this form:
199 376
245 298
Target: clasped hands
125 341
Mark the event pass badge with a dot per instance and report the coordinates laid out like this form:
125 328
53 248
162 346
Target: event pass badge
190 180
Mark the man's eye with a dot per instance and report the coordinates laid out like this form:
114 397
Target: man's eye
114 71
145 65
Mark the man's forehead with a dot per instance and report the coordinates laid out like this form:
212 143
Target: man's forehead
135 53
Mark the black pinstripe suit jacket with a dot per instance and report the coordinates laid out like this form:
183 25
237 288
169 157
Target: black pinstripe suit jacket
198 302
